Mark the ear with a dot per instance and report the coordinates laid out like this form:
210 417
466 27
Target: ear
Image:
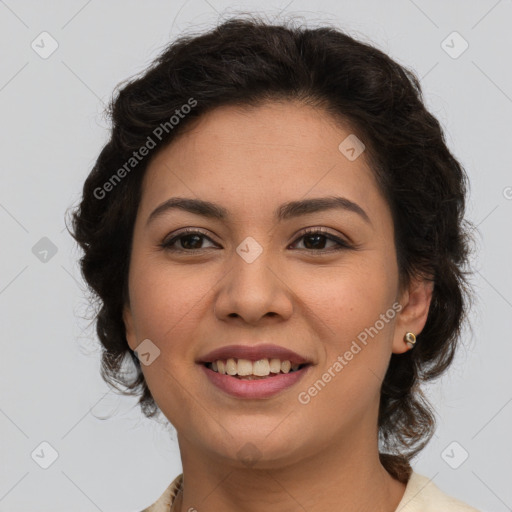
129 327
415 301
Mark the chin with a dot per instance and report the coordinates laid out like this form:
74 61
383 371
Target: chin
256 448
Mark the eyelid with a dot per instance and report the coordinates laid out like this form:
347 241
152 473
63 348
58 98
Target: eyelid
341 243
185 231
315 229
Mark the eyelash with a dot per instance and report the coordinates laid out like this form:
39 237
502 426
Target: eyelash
342 245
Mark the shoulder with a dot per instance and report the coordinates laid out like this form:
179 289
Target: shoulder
422 495
163 504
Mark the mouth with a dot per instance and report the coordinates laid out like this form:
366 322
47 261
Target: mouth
254 371
263 379
245 369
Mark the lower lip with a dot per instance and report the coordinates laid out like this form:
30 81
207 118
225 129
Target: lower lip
259 388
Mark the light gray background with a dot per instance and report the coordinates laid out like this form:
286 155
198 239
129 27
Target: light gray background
52 130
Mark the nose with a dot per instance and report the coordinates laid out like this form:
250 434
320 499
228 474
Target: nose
254 292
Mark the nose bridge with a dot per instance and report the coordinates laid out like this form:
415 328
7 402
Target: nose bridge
251 265
252 288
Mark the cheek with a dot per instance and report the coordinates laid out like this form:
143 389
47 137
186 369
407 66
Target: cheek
356 348
348 299
167 302
355 320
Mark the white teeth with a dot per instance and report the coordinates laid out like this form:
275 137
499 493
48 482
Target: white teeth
231 366
261 368
275 365
246 368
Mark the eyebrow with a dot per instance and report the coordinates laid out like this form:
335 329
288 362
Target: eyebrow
284 212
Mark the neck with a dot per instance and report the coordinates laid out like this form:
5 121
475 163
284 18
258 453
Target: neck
344 475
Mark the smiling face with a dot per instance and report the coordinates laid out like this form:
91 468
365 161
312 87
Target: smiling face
314 294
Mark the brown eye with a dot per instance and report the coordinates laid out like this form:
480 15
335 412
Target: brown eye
186 241
316 240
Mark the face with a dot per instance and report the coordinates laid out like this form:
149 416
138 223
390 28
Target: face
316 281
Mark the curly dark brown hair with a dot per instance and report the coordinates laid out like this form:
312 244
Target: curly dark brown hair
245 61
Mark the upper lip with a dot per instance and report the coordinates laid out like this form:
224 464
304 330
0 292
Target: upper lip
253 353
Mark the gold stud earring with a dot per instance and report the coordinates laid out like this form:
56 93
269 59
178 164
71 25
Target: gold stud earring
410 339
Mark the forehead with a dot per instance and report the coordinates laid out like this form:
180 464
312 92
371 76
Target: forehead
253 158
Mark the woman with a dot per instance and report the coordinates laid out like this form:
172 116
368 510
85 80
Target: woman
275 232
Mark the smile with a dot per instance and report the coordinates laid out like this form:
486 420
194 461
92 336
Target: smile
252 370
253 386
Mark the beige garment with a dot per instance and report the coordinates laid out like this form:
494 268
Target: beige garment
163 504
421 495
